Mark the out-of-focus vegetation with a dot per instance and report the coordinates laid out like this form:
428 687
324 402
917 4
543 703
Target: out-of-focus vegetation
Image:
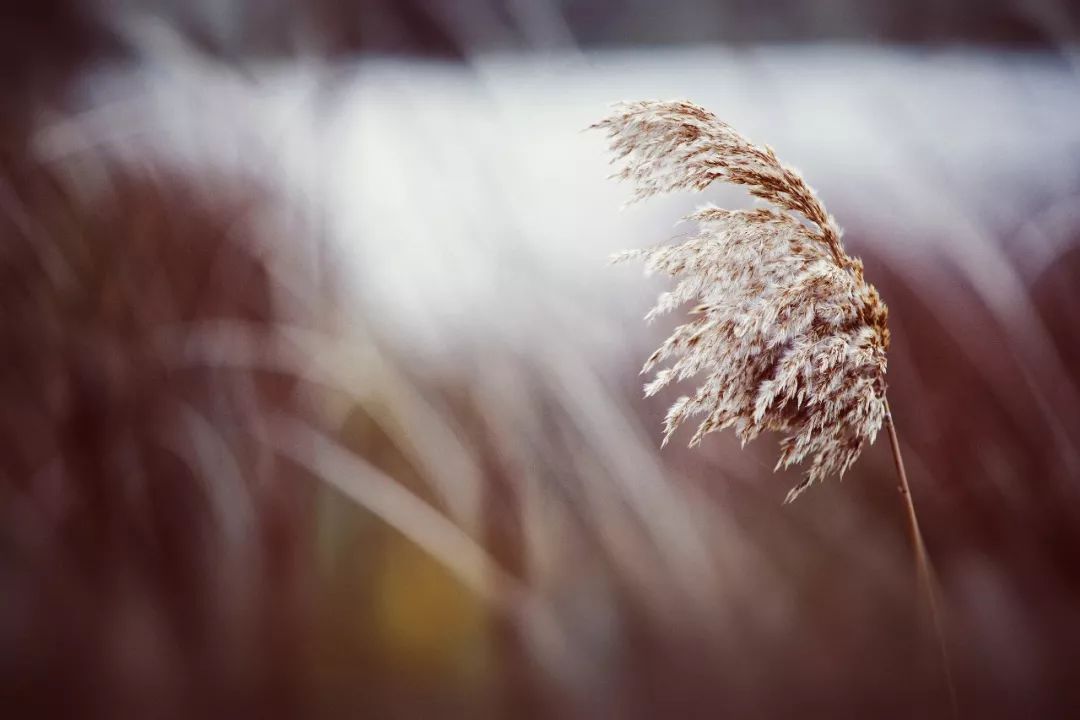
319 399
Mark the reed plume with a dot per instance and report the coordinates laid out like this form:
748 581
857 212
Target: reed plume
787 334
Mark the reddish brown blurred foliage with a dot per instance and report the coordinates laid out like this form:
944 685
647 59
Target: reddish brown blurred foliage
129 586
157 559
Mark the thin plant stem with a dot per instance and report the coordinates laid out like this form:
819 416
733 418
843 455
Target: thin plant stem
922 559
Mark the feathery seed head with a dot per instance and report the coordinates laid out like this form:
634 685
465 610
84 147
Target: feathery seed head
786 335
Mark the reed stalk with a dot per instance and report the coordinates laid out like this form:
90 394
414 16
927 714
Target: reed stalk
923 567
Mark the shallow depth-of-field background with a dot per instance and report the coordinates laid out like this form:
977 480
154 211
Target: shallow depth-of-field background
318 397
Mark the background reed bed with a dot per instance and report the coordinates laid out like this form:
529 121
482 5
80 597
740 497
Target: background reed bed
320 399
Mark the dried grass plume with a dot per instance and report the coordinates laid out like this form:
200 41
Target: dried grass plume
786 333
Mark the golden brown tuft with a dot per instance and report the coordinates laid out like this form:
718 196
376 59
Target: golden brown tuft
787 334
